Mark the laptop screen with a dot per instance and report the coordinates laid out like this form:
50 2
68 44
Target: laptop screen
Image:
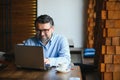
29 57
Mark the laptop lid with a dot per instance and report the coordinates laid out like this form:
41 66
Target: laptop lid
29 57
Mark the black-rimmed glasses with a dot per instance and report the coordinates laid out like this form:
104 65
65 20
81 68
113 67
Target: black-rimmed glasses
43 30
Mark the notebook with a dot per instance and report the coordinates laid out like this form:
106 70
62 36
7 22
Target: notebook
31 57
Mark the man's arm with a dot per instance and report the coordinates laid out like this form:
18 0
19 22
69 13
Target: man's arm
63 54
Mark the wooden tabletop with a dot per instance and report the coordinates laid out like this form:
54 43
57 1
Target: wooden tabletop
13 73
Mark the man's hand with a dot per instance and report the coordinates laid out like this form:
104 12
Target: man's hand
46 61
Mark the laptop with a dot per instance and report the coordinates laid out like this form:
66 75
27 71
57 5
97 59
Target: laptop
30 57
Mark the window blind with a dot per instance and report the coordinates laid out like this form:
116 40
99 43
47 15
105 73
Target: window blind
16 22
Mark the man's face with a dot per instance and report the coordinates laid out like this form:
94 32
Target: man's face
44 31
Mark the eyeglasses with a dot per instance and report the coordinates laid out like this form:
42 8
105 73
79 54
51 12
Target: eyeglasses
43 30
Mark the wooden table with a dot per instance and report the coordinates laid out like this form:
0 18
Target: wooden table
12 73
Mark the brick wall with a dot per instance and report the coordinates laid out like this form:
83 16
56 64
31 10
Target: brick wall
110 68
104 36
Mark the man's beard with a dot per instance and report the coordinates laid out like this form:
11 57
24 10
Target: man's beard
43 40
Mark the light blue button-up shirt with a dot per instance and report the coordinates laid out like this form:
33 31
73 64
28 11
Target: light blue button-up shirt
56 50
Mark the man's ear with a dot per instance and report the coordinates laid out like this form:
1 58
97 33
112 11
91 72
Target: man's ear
52 28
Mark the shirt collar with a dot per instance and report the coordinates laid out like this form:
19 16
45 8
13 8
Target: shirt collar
49 42
52 37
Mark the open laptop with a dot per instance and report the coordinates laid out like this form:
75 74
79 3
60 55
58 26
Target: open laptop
30 57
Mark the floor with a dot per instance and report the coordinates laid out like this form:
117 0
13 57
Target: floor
88 70
92 76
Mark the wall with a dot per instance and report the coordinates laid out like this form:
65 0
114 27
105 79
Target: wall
110 67
69 17
106 37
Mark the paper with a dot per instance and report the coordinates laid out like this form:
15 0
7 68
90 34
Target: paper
74 78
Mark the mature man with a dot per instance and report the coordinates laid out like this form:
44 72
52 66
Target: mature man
56 47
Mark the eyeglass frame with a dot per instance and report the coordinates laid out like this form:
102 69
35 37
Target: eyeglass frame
43 30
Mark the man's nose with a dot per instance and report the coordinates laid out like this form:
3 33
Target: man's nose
42 33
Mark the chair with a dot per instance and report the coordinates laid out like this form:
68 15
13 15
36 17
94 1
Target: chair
88 62
2 60
88 56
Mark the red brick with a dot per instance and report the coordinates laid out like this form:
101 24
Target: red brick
116 75
112 67
113 14
108 76
108 41
112 5
112 24
117 49
116 41
108 58
110 50
113 32
116 59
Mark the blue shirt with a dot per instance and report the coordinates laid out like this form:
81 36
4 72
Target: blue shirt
56 50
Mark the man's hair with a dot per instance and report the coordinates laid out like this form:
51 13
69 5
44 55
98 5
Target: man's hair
44 19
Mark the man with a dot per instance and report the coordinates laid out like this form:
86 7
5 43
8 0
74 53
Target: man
56 47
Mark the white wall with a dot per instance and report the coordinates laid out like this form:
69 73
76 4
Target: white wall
68 18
